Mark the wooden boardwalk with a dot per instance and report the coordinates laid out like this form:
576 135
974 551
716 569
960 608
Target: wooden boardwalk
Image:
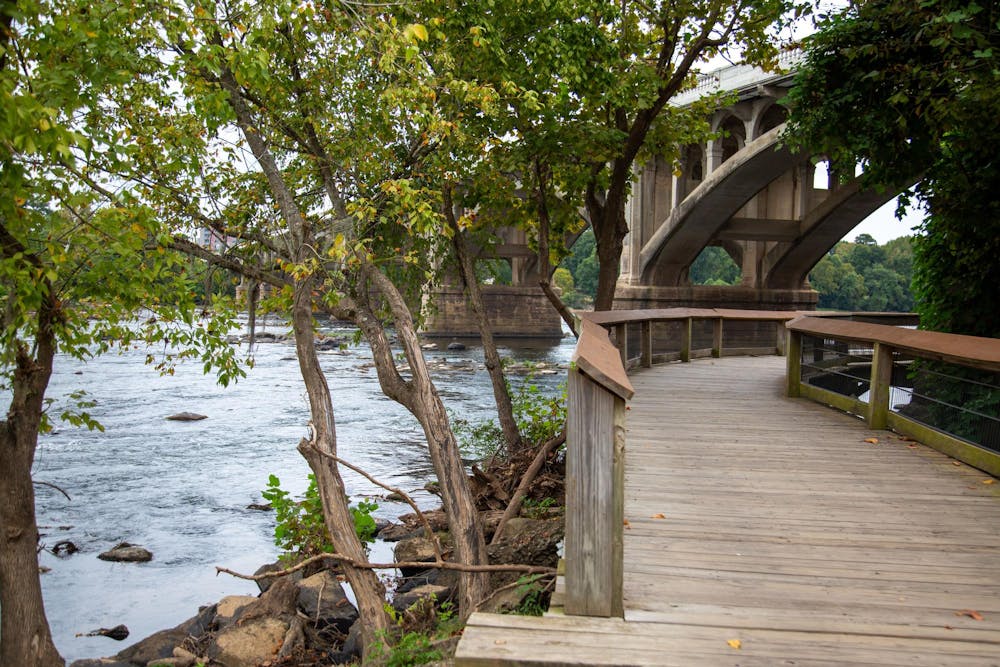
763 530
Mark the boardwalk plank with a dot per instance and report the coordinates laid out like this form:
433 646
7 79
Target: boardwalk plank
782 528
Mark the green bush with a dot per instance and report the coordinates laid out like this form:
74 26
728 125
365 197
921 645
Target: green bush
299 527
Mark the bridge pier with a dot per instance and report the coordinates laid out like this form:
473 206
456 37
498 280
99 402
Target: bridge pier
631 297
514 311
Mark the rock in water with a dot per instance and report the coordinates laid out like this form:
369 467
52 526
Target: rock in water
118 633
187 417
127 553
456 347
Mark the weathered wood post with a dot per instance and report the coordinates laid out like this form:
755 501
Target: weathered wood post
717 337
646 344
621 340
793 352
595 476
686 339
878 388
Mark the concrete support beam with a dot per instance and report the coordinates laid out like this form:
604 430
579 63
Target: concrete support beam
759 229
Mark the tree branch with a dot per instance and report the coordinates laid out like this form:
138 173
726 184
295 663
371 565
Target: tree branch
405 496
409 564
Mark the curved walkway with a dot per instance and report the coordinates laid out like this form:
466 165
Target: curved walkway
764 530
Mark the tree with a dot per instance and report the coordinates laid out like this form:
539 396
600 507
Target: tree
910 91
714 266
328 141
586 86
73 275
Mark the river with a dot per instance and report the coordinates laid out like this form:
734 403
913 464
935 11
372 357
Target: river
181 489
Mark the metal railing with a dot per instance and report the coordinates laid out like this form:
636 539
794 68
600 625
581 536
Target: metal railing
941 389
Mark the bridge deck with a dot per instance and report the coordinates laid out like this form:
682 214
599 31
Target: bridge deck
765 531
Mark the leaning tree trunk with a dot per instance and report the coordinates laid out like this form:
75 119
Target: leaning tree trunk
25 638
368 590
423 401
494 365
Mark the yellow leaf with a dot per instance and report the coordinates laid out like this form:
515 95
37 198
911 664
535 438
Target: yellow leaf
989 481
419 31
43 124
874 441
659 515
735 643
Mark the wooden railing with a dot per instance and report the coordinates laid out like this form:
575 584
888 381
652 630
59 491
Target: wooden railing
598 388
890 352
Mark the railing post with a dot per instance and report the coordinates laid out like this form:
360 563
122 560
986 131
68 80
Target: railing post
878 389
621 340
646 343
717 338
595 482
793 372
686 340
781 339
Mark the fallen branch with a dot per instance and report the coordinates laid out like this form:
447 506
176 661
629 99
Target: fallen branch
391 489
441 565
53 486
514 506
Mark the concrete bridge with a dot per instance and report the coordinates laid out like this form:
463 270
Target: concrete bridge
773 211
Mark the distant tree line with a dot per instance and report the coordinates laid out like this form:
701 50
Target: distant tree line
862 275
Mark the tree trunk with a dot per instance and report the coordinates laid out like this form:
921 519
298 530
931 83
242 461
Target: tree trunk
544 262
425 404
505 408
610 229
368 590
25 638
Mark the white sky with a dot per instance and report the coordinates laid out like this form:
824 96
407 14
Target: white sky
883 225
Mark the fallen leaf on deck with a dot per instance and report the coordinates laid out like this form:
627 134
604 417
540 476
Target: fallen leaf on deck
626 523
874 441
956 463
989 481
948 627
659 515
971 613
735 643
499 641
911 446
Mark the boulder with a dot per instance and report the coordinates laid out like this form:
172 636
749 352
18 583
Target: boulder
157 646
412 549
404 601
162 644
456 347
526 541
187 417
126 553
100 662
229 608
250 643
322 599
350 651
277 566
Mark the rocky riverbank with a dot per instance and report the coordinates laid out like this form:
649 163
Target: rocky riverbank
306 618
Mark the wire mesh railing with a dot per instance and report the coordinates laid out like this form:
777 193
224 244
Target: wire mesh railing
943 389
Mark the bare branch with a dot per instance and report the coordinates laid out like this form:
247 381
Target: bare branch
405 496
52 486
440 565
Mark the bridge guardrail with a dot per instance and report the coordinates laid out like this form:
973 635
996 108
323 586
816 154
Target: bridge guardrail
941 389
